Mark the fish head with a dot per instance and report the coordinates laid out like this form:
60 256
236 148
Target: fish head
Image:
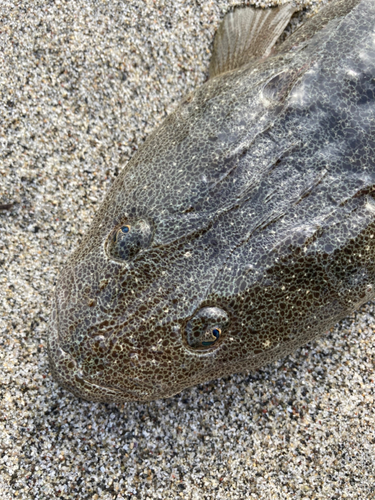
131 315
133 321
214 252
139 319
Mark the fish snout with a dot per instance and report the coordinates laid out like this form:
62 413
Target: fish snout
82 378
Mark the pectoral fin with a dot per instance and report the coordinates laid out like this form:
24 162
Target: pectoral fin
247 33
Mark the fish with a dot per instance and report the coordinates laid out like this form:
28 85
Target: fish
244 225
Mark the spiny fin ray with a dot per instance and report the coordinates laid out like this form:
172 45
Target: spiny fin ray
247 33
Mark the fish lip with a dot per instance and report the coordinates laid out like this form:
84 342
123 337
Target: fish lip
65 371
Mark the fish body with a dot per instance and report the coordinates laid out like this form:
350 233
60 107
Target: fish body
243 227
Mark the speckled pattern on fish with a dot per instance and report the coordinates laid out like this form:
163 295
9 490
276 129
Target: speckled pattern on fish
83 85
241 229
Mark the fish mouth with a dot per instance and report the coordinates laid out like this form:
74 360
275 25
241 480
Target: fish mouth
66 372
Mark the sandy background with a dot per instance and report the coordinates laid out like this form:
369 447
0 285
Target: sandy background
82 83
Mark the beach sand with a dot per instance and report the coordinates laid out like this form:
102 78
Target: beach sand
82 84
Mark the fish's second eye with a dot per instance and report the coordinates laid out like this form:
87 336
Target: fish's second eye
206 327
216 333
210 337
128 239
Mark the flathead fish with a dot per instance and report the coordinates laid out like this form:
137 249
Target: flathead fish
243 228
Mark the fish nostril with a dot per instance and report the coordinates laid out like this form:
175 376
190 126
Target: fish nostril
103 284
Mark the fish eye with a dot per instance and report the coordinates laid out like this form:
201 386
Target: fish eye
211 336
127 239
216 333
123 229
206 327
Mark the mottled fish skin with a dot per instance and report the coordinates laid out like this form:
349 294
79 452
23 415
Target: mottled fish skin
248 223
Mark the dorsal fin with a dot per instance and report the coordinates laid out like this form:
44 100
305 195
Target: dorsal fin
247 33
